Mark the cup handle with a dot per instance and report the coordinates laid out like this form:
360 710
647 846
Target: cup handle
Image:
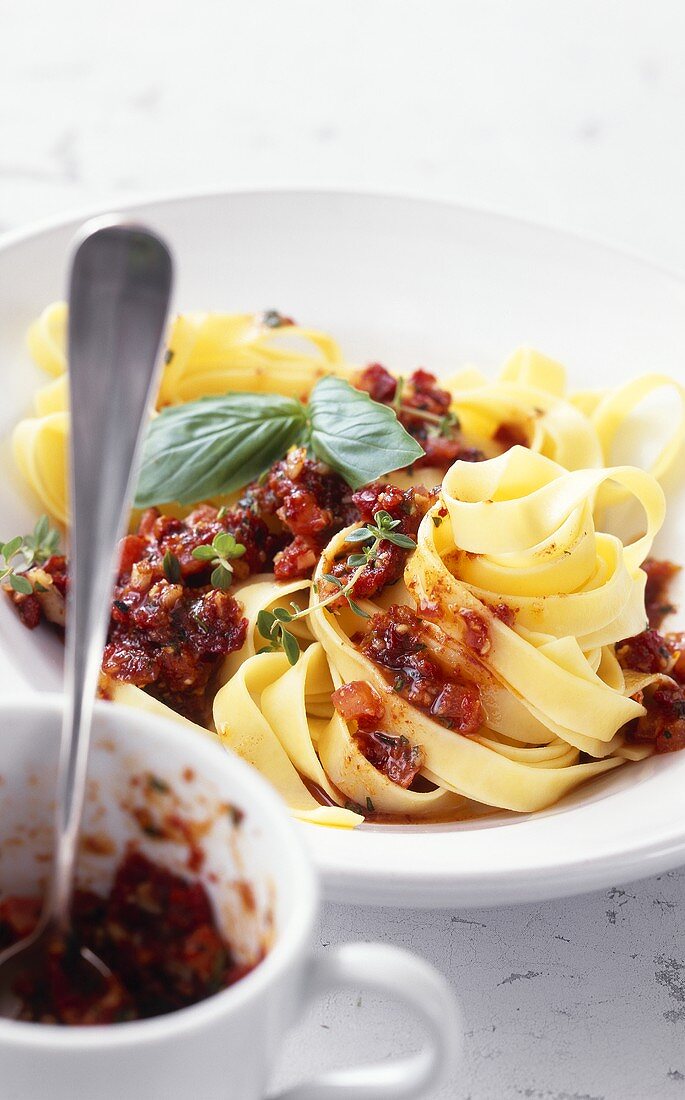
413 982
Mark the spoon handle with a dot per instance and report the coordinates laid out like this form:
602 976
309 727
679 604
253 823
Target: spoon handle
120 285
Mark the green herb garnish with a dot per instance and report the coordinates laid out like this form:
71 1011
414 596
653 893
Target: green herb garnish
220 553
30 550
172 568
273 624
217 444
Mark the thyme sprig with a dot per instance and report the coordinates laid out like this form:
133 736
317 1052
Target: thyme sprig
24 551
370 537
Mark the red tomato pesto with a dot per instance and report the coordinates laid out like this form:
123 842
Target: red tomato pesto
393 642
421 392
663 726
395 757
408 507
155 930
659 576
171 629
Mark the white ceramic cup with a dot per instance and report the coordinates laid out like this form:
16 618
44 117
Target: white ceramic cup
223 1047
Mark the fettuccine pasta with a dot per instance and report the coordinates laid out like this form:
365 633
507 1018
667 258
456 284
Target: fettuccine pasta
462 634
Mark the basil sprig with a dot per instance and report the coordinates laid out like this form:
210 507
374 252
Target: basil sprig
217 444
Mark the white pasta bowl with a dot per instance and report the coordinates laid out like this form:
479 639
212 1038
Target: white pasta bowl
408 283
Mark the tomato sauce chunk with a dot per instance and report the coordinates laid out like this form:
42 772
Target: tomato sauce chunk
304 502
155 930
395 757
47 599
657 602
676 645
393 642
378 382
646 652
359 701
170 628
663 726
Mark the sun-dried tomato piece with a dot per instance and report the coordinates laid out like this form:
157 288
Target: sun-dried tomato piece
657 602
664 723
170 639
303 503
676 646
395 757
477 635
442 451
458 705
360 702
378 382
646 652
298 559
131 549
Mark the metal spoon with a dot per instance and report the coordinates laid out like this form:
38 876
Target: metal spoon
119 292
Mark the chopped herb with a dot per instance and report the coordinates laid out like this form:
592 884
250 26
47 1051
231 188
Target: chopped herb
172 568
370 805
354 807
437 520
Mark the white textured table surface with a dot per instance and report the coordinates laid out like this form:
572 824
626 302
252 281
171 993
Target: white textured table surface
570 112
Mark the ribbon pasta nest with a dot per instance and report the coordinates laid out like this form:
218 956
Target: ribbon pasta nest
462 633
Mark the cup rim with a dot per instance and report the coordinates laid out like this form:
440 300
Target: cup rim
293 938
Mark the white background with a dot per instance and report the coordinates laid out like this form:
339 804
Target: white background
569 112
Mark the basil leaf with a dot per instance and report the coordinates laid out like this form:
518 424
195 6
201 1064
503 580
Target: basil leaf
215 445
358 437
